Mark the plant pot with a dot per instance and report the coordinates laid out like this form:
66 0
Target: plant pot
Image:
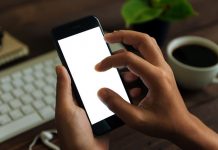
155 28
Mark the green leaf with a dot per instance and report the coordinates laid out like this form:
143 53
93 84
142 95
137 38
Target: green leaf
138 11
176 10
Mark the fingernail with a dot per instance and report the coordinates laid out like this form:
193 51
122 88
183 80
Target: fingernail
58 70
103 94
97 66
107 35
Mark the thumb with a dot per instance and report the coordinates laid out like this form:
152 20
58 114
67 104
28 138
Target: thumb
130 114
64 98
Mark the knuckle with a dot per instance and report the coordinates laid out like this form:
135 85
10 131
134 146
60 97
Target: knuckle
128 54
164 78
153 39
163 74
139 120
145 38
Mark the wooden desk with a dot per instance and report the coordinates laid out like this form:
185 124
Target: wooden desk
31 22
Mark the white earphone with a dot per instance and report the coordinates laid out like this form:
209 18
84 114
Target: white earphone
45 136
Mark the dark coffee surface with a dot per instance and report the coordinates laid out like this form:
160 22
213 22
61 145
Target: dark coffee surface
196 55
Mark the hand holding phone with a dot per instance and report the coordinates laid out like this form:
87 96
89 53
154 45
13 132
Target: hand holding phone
81 45
71 121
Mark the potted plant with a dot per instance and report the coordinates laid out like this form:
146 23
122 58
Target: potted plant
153 16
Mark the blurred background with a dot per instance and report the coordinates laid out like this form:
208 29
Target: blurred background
31 20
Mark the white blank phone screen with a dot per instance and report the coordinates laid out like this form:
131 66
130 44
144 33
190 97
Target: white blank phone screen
82 52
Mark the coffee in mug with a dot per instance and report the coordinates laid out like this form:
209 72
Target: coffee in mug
194 61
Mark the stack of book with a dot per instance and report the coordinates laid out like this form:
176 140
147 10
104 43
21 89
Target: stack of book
11 49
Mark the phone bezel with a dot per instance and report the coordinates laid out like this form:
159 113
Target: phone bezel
70 29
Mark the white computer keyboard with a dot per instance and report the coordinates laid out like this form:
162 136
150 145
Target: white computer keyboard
27 95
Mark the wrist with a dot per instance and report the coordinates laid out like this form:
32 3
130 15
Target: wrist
193 134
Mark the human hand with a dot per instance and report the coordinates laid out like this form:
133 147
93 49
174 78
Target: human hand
72 124
162 113
156 108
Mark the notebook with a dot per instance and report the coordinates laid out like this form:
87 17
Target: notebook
11 49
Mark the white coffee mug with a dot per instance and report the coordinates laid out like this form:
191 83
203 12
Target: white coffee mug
191 77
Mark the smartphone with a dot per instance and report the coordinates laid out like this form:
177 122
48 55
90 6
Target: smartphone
80 45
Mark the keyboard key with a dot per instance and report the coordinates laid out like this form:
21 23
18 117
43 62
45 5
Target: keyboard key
47 112
39 74
27 109
16 114
18 83
6 87
28 78
49 99
18 92
6 97
39 83
4 119
27 99
38 104
48 90
28 71
29 88
48 62
5 79
38 94
53 105
50 71
17 75
51 80
38 67
15 104
57 61
4 108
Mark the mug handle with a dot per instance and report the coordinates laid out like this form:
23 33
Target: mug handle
215 80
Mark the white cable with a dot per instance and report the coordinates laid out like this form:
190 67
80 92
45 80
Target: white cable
33 142
51 145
